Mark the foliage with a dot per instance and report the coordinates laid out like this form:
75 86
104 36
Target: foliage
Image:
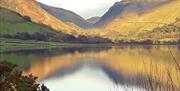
13 80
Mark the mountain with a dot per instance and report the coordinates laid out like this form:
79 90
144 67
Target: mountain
15 26
66 16
160 21
32 9
159 16
120 9
93 20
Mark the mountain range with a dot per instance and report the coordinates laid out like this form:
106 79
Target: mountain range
66 16
121 8
38 15
148 20
127 20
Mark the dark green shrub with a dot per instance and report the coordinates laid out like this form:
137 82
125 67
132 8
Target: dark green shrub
13 80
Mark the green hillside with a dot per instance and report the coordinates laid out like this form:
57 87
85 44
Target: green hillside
15 26
12 23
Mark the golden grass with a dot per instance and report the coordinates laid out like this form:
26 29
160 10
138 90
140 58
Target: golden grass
165 14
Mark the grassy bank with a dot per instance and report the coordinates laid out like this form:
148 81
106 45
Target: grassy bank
16 44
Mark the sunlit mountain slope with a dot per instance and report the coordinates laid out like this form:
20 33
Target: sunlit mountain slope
31 9
166 14
121 8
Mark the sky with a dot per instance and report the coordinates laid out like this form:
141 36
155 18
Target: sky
84 8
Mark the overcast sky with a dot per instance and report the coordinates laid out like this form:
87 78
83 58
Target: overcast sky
85 8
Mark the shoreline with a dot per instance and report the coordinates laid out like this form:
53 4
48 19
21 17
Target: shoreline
16 44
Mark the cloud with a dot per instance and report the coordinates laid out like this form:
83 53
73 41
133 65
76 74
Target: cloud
85 8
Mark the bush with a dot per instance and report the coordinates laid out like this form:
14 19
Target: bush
13 80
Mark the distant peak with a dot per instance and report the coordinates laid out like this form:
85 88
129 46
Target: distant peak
94 19
120 3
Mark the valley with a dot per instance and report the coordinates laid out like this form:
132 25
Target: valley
139 25
108 45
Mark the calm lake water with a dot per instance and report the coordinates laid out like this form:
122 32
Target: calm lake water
122 68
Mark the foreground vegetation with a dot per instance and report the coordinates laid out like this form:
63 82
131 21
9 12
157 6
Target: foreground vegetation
13 80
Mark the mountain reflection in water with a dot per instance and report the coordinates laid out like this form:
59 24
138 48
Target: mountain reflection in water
120 68
86 78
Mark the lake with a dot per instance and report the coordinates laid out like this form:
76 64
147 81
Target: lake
112 68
